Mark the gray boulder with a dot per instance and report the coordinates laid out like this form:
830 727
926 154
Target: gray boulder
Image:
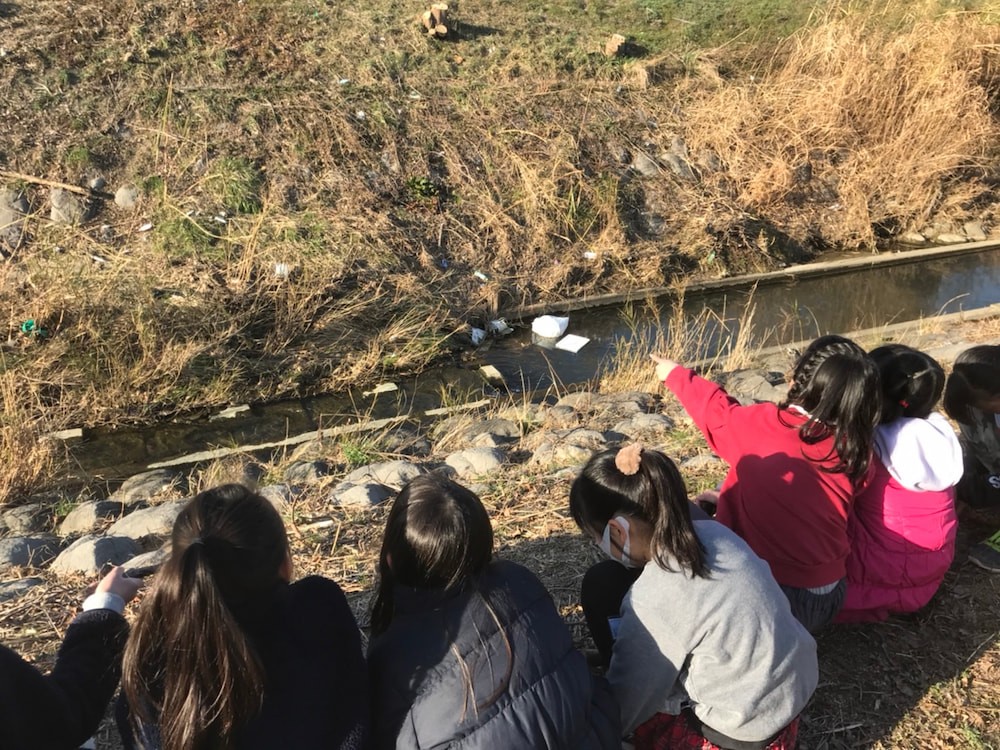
148 485
279 495
14 589
701 462
155 521
27 519
567 447
644 426
149 559
13 208
475 462
24 551
66 207
126 196
87 516
562 417
306 472
88 554
390 473
364 495
974 231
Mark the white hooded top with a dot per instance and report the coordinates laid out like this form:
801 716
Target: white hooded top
921 454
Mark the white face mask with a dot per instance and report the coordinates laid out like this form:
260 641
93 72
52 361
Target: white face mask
605 544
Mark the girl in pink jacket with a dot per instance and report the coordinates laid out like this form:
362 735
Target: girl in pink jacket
902 525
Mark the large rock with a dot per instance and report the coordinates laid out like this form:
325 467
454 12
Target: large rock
27 519
153 558
390 473
155 521
88 554
567 447
13 208
87 516
405 441
14 589
24 551
279 495
126 196
644 426
751 386
67 208
364 495
144 487
475 462
500 431
306 472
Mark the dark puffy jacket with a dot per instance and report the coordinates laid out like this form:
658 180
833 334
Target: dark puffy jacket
61 710
438 643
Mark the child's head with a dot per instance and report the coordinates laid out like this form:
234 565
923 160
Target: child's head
911 381
438 535
190 665
643 485
974 383
837 384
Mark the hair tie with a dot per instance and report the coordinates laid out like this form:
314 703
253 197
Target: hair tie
196 540
628 459
904 403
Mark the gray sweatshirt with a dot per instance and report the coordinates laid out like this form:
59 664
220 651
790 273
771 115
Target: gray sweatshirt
727 646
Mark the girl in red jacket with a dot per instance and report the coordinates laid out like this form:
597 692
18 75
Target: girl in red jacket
794 467
902 526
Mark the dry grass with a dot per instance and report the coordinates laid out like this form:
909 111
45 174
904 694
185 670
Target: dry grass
381 175
860 126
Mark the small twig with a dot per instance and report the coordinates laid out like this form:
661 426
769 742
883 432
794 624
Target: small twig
980 646
842 729
52 183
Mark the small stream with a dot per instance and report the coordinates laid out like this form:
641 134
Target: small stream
783 311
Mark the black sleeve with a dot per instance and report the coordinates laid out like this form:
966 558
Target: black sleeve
61 710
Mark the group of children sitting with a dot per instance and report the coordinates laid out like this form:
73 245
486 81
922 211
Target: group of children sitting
839 505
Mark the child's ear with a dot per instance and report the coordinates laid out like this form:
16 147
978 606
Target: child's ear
388 560
618 533
287 569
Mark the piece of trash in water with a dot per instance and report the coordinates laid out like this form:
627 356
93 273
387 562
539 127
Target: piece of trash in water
590 255
381 388
146 227
478 335
549 326
481 276
572 343
499 327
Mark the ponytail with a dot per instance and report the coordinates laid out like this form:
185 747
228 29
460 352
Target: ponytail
837 384
191 669
912 382
645 484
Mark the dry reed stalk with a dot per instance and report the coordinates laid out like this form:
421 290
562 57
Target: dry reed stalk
883 117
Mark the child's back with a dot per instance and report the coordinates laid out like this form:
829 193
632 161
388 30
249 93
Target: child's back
444 652
902 527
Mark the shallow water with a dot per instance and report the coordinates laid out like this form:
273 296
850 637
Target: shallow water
783 312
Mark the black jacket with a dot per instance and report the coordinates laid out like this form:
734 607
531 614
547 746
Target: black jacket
538 694
61 710
316 689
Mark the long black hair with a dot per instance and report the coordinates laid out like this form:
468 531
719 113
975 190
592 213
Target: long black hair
438 536
838 385
974 380
912 381
191 669
655 493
